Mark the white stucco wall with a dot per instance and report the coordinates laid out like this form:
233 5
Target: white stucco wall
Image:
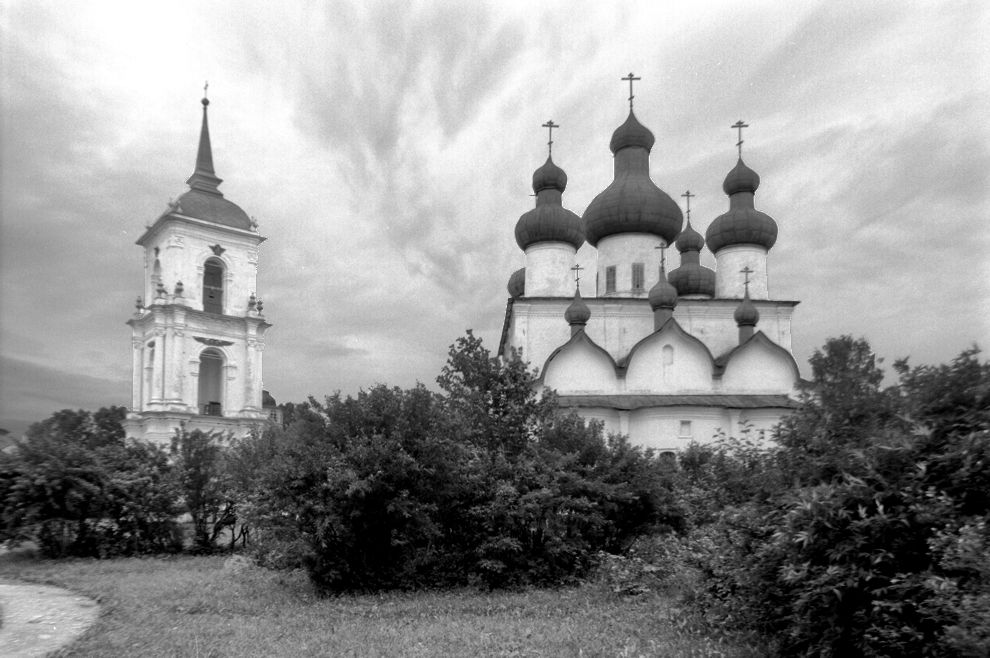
759 368
729 279
623 250
668 362
548 269
578 369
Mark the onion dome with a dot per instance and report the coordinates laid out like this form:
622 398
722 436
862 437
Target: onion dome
632 203
663 295
631 133
692 278
746 314
549 221
742 224
577 312
517 283
204 200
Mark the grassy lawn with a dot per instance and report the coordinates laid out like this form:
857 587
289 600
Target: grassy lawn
194 606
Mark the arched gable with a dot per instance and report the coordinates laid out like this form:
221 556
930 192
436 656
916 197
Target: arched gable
669 360
580 366
759 365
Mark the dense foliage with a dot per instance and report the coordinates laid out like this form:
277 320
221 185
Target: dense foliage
865 530
485 482
74 487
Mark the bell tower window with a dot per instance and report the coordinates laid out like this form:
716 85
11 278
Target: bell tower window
211 383
213 286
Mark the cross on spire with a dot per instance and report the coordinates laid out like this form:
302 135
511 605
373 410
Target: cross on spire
577 275
631 78
746 271
550 125
739 125
687 195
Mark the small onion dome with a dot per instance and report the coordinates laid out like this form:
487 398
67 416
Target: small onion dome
663 295
549 176
689 240
741 179
517 283
631 133
549 221
577 312
746 314
743 223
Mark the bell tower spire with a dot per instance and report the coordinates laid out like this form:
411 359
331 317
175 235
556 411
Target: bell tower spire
203 177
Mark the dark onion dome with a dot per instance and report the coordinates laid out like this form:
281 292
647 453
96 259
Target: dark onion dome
741 179
631 133
549 176
549 221
517 283
632 203
742 224
577 311
663 295
746 314
692 278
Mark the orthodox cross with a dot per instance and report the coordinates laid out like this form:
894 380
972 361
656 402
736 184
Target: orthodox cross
630 78
206 85
550 125
739 125
577 275
663 257
687 195
746 271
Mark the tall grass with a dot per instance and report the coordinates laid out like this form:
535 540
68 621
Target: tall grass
197 606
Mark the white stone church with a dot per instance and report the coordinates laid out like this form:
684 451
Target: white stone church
199 330
663 358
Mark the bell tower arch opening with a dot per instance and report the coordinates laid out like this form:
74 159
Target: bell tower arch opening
213 274
211 363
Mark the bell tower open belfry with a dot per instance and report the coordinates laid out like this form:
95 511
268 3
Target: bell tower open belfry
198 330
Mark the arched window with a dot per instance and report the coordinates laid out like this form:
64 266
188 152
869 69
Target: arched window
213 286
211 383
668 362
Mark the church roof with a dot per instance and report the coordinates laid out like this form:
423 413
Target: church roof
642 401
743 223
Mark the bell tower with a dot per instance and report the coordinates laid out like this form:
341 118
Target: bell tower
197 334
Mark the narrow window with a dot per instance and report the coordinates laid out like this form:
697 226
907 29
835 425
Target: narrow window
610 279
210 383
637 276
685 431
213 286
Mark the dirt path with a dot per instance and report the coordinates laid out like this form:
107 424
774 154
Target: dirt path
38 619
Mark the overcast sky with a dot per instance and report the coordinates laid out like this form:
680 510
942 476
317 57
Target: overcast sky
387 150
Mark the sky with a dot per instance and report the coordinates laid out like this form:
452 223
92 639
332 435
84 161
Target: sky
387 149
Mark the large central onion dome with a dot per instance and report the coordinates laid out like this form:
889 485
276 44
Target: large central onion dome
692 278
549 221
632 203
743 223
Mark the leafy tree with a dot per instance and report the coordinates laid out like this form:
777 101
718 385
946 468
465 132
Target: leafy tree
205 486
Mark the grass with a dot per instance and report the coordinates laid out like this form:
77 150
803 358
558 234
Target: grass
194 606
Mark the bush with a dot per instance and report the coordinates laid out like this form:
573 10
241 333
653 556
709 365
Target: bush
76 488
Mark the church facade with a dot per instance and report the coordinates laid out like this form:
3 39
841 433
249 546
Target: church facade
198 331
663 358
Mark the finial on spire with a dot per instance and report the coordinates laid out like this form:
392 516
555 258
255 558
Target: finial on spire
688 196
206 100
630 78
746 271
577 275
550 125
739 125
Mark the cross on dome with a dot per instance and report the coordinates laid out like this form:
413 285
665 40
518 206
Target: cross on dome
630 78
746 271
663 256
739 125
577 275
550 125
688 196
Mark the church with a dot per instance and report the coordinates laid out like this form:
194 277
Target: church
665 358
198 332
